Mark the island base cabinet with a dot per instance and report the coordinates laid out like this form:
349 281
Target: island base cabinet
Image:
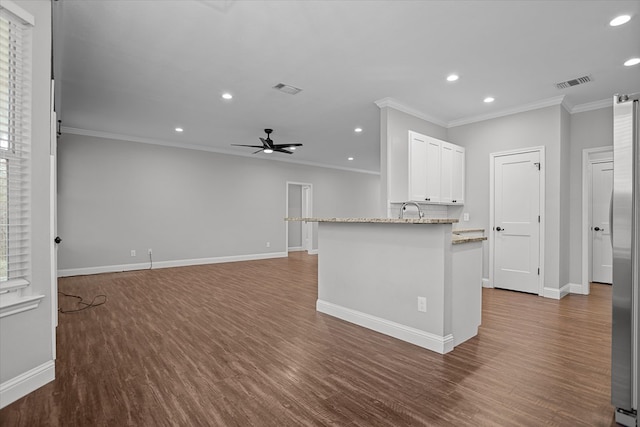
374 274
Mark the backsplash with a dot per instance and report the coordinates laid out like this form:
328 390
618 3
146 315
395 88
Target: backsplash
430 211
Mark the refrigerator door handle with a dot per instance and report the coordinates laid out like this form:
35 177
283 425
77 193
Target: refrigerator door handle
611 219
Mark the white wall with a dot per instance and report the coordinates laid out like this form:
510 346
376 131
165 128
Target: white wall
540 127
115 196
26 338
589 129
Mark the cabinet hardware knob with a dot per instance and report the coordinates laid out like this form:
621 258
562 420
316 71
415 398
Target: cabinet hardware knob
598 229
499 229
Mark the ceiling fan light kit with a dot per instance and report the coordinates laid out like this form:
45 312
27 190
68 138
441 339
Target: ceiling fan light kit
269 147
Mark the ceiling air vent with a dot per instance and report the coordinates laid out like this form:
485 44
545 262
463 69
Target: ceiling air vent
291 90
573 82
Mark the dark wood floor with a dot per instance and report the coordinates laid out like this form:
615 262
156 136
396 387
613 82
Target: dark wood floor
241 344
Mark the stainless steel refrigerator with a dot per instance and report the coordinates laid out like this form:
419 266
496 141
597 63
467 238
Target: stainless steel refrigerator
625 212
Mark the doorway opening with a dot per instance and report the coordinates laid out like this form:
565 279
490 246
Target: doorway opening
596 167
299 234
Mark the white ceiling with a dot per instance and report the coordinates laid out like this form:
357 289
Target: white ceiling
141 68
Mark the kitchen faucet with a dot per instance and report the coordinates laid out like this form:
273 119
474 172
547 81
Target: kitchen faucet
404 206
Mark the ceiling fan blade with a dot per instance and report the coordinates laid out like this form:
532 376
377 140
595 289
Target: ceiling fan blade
286 145
282 150
243 145
256 152
267 142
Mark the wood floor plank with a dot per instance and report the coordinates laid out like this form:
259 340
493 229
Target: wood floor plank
241 344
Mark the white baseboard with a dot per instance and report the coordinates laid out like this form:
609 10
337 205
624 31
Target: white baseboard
555 293
485 283
433 342
295 249
576 288
313 252
17 387
167 264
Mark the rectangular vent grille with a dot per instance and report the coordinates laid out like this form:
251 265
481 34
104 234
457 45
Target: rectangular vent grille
574 82
291 90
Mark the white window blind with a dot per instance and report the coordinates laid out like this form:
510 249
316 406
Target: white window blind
15 164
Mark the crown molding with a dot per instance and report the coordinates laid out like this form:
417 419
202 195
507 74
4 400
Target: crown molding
556 100
396 105
197 147
568 105
595 105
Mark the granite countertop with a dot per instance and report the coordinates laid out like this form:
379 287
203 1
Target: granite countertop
468 230
456 239
380 220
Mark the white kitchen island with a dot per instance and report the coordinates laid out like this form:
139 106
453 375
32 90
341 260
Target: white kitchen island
373 271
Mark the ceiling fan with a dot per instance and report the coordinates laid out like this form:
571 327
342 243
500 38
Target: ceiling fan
269 147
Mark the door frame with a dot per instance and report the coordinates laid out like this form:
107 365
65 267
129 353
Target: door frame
589 157
307 209
492 158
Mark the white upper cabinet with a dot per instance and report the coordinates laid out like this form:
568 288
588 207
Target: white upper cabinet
435 172
452 174
457 175
418 166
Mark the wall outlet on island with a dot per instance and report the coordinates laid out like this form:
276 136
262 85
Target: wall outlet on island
133 252
422 304
150 251
465 216
268 244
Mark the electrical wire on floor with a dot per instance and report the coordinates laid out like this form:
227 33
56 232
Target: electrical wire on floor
83 305
150 261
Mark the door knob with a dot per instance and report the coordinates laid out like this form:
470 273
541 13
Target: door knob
57 239
499 229
597 228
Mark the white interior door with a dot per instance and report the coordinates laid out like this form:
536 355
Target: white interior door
516 232
602 255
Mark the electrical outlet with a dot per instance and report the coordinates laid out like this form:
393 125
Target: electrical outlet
133 252
422 304
268 244
465 216
150 251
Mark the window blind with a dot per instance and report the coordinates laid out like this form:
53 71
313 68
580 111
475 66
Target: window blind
15 172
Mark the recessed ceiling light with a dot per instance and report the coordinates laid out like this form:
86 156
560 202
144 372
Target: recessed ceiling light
632 61
179 130
227 95
357 130
452 77
350 158
268 150
489 99
619 20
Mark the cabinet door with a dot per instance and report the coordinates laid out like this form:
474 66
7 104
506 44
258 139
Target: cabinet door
433 170
457 176
418 149
446 172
